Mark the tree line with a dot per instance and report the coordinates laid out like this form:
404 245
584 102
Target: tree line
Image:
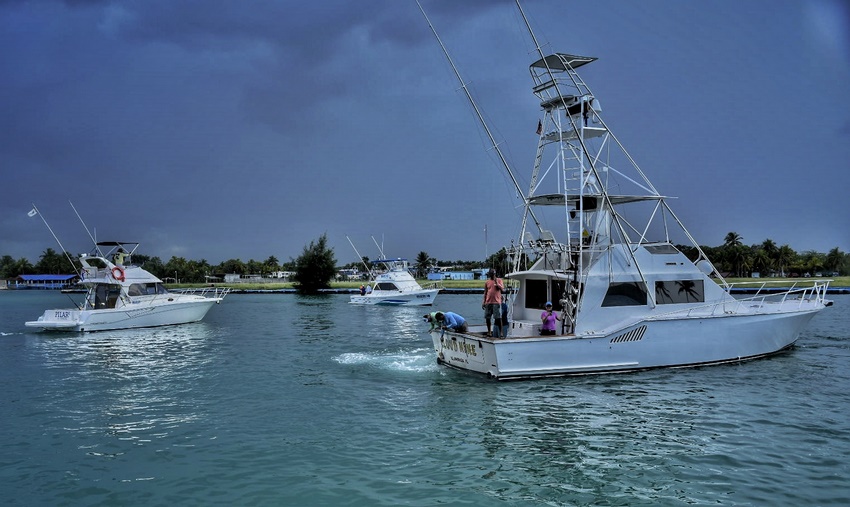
732 258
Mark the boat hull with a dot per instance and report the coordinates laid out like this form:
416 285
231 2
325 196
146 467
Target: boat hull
130 317
646 345
413 298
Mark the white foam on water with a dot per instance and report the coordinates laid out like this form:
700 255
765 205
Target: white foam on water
416 360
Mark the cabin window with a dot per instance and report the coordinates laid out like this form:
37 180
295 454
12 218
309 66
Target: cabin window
386 286
679 291
535 294
106 295
136 289
625 294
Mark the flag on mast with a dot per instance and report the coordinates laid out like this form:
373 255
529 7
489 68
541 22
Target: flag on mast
539 127
33 212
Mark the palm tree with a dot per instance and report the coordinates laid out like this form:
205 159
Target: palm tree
769 247
812 261
833 259
271 264
739 258
771 250
762 261
733 239
423 263
784 256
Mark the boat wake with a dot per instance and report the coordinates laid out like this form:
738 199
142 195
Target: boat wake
416 360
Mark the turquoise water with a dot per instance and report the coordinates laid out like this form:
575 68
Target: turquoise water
284 400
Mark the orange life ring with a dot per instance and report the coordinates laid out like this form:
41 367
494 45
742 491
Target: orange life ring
120 275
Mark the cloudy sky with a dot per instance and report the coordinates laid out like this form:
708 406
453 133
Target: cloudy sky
215 129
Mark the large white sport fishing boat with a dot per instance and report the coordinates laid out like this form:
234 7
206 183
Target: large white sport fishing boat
120 295
630 298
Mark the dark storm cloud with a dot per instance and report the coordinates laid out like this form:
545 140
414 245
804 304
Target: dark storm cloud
228 129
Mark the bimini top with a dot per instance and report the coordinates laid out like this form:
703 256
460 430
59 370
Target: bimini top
560 61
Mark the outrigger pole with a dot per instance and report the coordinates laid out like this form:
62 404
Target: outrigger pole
37 212
368 269
481 119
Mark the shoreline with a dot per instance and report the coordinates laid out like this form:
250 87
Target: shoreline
472 290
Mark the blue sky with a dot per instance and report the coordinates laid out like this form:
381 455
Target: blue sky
217 130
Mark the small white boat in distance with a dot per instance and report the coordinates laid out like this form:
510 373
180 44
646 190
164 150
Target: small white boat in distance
120 295
632 288
395 286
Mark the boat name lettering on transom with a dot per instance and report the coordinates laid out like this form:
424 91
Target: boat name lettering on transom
61 314
460 346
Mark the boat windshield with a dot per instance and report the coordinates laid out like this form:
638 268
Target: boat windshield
142 289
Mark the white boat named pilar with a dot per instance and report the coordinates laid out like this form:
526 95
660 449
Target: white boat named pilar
120 295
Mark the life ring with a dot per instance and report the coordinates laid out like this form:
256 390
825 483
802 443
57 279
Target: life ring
120 273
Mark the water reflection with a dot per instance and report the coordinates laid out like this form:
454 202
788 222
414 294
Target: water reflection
317 318
139 387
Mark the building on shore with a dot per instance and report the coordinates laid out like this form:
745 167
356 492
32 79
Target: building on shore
44 282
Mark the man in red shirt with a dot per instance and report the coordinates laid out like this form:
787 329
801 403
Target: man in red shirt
492 304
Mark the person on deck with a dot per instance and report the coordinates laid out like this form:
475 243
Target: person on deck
549 319
118 258
431 318
492 304
451 320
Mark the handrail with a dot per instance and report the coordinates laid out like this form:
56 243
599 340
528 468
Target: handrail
817 291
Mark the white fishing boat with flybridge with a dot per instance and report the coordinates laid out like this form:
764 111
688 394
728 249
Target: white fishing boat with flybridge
391 284
121 295
602 244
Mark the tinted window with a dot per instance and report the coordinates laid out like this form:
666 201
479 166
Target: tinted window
535 294
679 291
625 294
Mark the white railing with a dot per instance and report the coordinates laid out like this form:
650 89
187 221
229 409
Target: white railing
432 285
757 304
207 292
